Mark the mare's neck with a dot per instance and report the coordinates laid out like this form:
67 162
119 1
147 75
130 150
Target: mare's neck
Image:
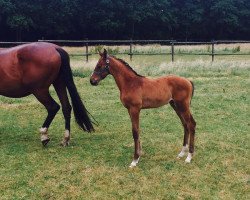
122 74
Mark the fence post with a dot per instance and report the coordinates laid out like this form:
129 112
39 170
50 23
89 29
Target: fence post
130 49
87 50
212 50
172 51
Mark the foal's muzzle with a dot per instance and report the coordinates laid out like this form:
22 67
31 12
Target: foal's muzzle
93 82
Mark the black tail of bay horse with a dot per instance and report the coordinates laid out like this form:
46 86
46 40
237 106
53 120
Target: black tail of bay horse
31 69
80 112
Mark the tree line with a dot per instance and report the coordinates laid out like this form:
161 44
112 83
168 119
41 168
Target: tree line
30 20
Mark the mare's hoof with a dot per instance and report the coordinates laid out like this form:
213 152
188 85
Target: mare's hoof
45 142
64 143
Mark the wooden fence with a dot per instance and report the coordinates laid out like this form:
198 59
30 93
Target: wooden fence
171 43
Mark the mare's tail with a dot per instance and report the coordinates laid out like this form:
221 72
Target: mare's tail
81 114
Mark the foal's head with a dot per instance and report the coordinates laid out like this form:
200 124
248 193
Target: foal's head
102 68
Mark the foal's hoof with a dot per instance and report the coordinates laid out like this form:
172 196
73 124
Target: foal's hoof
134 163
180 155
189 158
45 142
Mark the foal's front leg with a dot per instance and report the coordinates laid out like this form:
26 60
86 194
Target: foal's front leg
134 113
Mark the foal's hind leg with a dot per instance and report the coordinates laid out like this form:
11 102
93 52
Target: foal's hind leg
184 110
186 133
52 107
61 91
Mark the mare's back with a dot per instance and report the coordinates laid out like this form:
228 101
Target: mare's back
36 50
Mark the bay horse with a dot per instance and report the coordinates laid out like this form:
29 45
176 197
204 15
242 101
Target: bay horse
31 69
138 92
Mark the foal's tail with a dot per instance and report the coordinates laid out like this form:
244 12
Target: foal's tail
192 91
192 88
80 112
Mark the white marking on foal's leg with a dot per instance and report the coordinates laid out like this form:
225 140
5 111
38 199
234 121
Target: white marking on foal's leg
189 158
183 151
134 163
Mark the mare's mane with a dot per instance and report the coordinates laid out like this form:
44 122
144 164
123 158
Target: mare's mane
127 65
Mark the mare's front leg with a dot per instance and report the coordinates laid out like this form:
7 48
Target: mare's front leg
134 113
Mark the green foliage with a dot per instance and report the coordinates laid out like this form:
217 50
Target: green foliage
236 49
95 166
80 72
19 21
113 51
208 48
123 19
98 48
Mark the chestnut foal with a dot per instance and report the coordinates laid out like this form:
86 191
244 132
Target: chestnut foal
138 92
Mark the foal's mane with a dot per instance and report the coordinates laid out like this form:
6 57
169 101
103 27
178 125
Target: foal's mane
127 65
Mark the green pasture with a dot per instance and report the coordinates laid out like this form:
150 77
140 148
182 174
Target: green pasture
96 166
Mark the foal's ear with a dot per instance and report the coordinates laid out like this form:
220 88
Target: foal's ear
105 53
99 52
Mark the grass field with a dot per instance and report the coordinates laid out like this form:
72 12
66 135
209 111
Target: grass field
95 166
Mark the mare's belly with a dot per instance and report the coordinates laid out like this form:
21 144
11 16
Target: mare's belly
13 90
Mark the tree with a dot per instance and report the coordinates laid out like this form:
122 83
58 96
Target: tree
225 18
17 16
124 19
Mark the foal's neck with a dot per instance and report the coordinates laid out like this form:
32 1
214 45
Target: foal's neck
123 76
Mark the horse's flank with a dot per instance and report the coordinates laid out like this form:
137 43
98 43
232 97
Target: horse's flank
27 67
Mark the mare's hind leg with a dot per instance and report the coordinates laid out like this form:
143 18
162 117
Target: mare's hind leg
61 91
186 133
184 110
52 107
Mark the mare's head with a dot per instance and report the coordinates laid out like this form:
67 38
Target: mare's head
102 68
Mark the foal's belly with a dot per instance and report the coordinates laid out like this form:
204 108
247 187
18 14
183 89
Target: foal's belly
155 99
155 93
154 103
